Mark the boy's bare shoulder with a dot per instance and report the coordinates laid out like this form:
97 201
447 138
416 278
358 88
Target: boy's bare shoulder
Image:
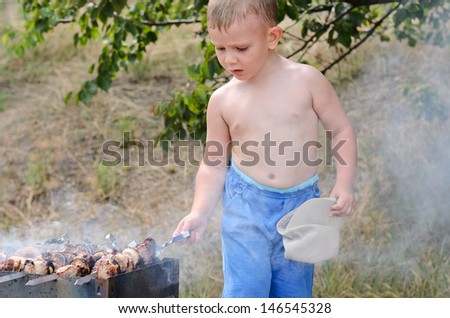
227 88
224 93
304 71
218 99
307 76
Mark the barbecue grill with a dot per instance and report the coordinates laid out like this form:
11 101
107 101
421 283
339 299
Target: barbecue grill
158 280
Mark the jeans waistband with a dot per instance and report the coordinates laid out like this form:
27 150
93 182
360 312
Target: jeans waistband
313 180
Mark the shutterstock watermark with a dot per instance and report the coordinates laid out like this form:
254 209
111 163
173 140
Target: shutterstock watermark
186 152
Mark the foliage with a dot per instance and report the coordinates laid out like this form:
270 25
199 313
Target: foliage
2 101
36 175
125 126
107 179
127 27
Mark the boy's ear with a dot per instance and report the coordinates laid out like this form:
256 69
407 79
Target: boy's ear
274 36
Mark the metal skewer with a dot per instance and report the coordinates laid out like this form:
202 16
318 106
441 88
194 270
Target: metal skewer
177 238
11 277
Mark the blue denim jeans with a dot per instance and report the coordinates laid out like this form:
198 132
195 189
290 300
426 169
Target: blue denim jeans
253 254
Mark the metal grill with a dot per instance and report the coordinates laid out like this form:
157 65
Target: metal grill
159 280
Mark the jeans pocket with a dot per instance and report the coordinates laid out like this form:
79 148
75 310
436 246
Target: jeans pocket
317 192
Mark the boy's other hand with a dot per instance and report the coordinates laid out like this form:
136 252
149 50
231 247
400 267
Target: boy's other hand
195 224
345 202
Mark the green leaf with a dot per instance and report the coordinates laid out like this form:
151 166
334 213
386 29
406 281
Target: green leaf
315 26
151 37
20 50
331 40
81 3
211 69
67 99
132 57
209 51
84 96
356 17
83 40
45 12
345 39
104 82
305 28
304 4
205 71
5 39
339 8
91 69
107 11
118 5
193 107
385 38
292 12
194 72
95 33
130 27
91 87
400 16
76 39
281 10
412 42
415 11
41 26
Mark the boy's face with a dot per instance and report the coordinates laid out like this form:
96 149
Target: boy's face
243 48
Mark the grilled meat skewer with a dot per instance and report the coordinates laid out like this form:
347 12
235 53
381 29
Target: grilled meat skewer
147 250
39 267
106 267
13 264
78 267
70 260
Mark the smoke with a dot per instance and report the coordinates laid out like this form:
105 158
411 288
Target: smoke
82 220
400 106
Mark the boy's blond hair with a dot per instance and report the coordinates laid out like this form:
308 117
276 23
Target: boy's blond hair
223 13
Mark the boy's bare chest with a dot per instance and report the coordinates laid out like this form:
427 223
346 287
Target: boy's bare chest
257 114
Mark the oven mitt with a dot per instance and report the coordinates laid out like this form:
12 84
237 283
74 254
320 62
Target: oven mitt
310 234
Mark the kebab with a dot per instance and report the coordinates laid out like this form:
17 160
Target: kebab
41 259
117 263
86 261
39 266
13 264
33 260
16 263
21 267
104 264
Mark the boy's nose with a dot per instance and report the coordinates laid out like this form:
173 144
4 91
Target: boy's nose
230 59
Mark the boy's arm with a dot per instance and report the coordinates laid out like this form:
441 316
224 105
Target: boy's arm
345 160
211 175
329 109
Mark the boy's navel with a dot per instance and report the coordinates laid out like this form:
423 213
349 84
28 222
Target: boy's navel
271 176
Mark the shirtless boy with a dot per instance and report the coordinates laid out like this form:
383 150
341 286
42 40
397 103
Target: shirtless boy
258 123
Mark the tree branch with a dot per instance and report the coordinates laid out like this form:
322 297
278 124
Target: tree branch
369 33
65 21
148 23
342 15
358 3
172 22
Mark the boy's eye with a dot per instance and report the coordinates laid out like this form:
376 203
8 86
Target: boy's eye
242 49
220 49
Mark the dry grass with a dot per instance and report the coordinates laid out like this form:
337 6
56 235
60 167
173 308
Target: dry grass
51 183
